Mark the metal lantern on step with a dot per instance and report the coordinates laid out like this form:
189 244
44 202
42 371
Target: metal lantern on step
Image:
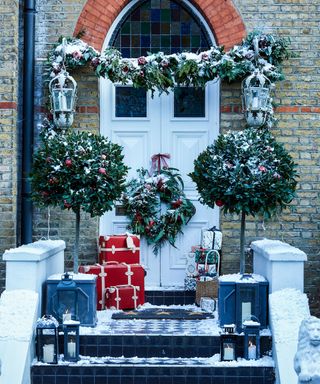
71 340
67 298
228 343
251 340
256 98
63 96
47 339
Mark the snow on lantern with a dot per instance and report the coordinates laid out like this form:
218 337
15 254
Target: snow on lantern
256 98
228 343
251 339
63 96
67 298
71 340
47 339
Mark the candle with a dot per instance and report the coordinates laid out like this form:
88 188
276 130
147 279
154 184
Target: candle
48 353
66 317
72 349
252 351
62 101
228 352
245 311
255 103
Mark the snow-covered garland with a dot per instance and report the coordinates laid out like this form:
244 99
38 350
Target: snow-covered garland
163 72
157 206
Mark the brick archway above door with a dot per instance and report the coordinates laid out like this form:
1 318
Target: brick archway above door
225 21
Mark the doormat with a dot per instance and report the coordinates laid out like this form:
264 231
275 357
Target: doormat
162 313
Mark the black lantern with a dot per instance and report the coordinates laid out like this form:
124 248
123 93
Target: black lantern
251 340
67 298
47 339
71 340
228 343
256 98
63 95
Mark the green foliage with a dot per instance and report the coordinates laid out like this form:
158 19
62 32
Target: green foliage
245 171
144 202
76 170
159 72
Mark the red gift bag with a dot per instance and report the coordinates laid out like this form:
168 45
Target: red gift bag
121 248
113 273
122 297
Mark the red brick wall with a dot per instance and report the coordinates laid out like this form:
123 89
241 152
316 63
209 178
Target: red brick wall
223 18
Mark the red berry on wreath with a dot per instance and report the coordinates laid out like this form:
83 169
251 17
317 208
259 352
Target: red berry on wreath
219 203
102 171
68 162
176 204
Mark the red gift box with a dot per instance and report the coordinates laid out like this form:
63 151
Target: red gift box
113 273
122 297
121 248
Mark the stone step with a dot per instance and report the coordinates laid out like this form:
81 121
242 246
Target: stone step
151 345
170 297
156 371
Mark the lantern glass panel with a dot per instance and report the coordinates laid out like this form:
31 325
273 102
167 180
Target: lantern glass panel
47 345
247 302
252 347
63 99
227 348
67 303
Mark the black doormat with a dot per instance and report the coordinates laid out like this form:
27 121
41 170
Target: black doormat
162 313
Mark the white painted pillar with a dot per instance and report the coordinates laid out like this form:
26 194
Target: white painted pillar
280 263
29 266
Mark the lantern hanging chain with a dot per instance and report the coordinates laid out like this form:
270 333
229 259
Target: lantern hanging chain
256 50
63 52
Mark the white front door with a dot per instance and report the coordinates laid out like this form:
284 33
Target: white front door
181 124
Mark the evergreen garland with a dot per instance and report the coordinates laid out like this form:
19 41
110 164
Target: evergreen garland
163 72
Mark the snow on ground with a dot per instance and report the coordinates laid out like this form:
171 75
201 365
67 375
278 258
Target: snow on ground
17 309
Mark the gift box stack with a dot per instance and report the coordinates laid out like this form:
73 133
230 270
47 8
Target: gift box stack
120 282
203 262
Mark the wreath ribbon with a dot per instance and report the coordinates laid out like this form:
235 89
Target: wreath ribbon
159 161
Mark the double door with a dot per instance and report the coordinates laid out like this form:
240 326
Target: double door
182 124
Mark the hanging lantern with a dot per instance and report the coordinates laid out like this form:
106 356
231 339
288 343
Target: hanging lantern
228 343
251 339
47 339
63 95
67 298
256 98
71 340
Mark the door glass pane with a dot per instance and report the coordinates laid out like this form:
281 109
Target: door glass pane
160 25
130 102
189 102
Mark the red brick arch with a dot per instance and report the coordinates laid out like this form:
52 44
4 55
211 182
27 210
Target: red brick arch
97 17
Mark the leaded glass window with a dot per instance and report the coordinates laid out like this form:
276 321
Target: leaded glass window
159 25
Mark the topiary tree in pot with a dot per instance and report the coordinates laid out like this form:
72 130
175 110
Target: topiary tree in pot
77 170
246 173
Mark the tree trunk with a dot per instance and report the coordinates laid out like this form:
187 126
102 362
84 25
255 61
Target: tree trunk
76 243
242 243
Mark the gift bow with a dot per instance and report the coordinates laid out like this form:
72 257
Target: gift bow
159 161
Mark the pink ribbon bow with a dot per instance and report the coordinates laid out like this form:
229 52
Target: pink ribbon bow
158 161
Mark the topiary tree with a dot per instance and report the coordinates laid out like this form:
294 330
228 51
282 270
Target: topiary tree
77 170
247 173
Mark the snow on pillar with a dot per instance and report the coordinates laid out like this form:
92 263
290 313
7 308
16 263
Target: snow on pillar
28 266
280 263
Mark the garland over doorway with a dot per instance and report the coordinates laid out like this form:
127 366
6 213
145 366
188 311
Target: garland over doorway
159 72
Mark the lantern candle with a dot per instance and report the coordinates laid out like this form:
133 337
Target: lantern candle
255 103
62 101
228 352
245 311
72 348
252 351
48 353
66 316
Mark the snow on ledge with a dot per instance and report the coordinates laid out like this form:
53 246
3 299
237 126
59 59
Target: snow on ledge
288 307
237 277
17 311
276 250
36 251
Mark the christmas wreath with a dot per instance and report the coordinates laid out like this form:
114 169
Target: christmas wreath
157 206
